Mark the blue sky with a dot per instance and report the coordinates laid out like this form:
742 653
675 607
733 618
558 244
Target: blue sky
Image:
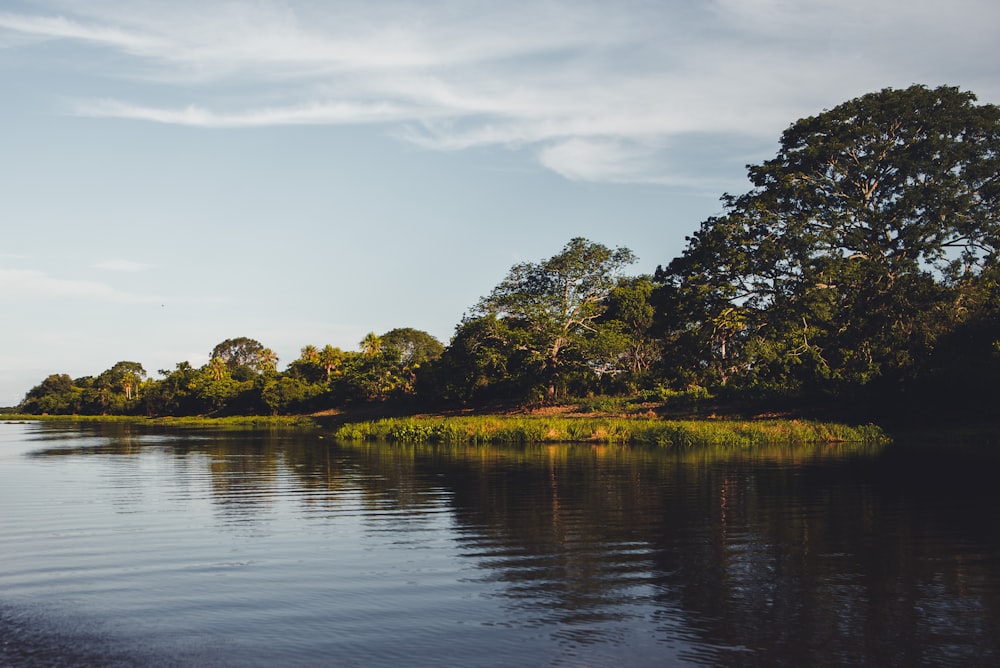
180 172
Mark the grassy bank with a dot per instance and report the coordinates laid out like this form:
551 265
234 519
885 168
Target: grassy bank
520 430
241 421
634 431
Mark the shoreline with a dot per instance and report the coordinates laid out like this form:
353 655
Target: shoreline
525 428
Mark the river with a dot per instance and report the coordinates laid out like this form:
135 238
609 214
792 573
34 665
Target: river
127 545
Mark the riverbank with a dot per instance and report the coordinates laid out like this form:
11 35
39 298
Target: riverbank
626 431
232 421
527 428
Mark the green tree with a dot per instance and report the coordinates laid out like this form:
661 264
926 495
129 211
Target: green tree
331 359
243 352
412 346
853 251
284 394
371 345
214 387
217 368
407 349
624 333
126 377
485 362
268 361
58 394
173 394
556 301
307 367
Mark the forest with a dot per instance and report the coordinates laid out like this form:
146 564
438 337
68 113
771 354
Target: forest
860 270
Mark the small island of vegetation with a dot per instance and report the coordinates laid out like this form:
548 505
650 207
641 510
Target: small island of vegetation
857 279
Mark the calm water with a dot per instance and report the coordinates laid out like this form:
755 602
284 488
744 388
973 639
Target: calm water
128 546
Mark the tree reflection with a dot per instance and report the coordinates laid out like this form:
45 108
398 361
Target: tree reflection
802 556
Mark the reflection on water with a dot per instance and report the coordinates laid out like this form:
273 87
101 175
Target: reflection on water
127 546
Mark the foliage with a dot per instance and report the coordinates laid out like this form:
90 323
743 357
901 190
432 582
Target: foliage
245 353
555 303
862 266
662 433
57 394
411 347
623 338
851 256
486 362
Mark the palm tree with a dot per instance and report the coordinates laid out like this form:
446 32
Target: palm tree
268 360
371 345
217 368
331 359
310 354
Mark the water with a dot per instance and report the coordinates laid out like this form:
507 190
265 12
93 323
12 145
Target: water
122 546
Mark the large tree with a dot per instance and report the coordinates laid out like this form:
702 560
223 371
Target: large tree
412 346
125 376
57 394
557 301
244 353
853 250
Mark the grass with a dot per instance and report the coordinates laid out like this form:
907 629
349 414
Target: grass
241 421
523 430
633 431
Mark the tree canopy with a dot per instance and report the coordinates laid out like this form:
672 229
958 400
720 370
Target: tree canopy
854 250
244 352
556 301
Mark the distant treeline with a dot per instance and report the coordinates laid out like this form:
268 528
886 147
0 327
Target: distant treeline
861 267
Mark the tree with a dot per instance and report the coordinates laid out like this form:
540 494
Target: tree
406 349
331 359
57 394
243 352
558 300
412 346
268 361
624 330
309 353
371 345
126 377
485 362
852 252
307 367
173 395
281 393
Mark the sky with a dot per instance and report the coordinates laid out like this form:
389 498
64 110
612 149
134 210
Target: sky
174 173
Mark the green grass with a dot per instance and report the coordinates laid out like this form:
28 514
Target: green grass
521 430
251 421
242 421
634 431
25 417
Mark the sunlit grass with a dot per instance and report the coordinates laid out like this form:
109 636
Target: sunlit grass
523 430
636 431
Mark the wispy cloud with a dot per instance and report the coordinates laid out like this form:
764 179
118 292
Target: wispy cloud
328 113
598 90
59 27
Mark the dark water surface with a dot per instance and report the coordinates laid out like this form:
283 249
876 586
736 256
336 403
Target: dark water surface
122 545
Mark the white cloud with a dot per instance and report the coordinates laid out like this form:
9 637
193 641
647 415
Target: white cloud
59 27
310 114
596 89
587 159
